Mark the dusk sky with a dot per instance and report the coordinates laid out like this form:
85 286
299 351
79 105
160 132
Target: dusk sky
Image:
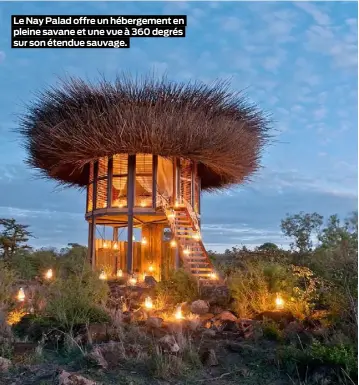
297 61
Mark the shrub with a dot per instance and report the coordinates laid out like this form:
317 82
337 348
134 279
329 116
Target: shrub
77 299
8 278
179 287
338 356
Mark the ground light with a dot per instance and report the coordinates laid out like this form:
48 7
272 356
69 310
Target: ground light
279 302
213 275
49 274
148 303
21 295
178 313
133 280
151 269
119 273
103 276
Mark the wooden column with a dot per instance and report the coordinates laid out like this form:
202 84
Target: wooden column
109 182
177 195
154 181
131 178
92 224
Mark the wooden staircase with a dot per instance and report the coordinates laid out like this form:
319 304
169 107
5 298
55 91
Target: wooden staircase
186 231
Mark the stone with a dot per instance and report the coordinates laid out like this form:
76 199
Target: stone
282 317
154 322
209 358
66 378
209 333
169 344
97 333
150 281
4 364
97 358
199 307
226 316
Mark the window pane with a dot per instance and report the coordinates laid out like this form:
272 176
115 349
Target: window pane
119 191
120 164
143 186
102 167
90 197
101 199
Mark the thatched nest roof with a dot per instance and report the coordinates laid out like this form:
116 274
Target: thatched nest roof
67 127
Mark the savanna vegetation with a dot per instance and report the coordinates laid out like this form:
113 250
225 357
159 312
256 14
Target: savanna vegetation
311 339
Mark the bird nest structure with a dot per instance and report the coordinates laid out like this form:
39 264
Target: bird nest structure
68 127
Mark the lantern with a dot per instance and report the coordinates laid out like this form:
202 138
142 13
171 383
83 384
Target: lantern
186 251
21 295
115 246
103 276
213 275
178 313
144 241
279 302
148 303
151 269
119 273
105 245
49 274
173 243
133 280
196 236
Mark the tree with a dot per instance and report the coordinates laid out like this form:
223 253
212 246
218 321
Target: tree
268 246
302 227
13 237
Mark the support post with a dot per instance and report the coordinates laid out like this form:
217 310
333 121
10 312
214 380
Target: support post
92 224
154 181
130 201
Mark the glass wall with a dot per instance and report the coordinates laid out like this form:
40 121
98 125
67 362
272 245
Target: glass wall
144 180
119 181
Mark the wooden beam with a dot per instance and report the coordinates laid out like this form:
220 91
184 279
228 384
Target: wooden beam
130 202
109 181
92 228
154 180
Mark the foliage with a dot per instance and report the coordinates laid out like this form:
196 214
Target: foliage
302 227
340 356
268 246
13 237
15 316
8 279
77 299
179 287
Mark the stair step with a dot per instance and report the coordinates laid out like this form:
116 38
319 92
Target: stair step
201 268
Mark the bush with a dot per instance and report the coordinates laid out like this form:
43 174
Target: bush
77 299
8 278
338 356
179 287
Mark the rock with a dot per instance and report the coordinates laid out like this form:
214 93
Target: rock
169 344
209 333
226 316
154 322
97 333
194 324
282 317
97 358
66 378
4 364
150 281
199 307
209 358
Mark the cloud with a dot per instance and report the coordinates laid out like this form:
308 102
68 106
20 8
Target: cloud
313 10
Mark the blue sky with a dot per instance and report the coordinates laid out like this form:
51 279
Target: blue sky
297 61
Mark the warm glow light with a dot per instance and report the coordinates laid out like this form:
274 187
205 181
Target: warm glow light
196 236
213 275
133 238
115 246
132 281
119 273
151 268
279 302
21 295
186 251
148 303
173 243
105 245
143 204
171 215
144 241
103 276
176 204
178 313
49 274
